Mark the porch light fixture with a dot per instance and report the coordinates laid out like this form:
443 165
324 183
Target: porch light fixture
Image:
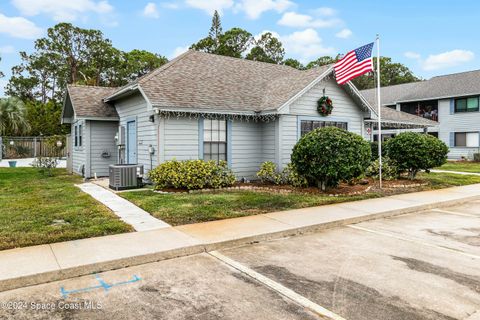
151 118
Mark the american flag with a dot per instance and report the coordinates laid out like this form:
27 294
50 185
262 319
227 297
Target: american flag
354 64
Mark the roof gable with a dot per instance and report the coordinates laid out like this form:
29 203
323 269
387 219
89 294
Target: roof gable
87 102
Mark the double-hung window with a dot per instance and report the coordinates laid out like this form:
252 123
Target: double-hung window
467 139
469 104
214 140
78 135
309 125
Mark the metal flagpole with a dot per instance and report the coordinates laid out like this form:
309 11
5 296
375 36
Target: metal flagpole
379 114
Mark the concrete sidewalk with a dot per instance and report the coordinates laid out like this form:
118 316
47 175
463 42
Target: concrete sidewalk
64 260
457 172
139 219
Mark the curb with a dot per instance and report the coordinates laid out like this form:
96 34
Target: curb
63 274
295 231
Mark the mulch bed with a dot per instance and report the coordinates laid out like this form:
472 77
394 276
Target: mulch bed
344 189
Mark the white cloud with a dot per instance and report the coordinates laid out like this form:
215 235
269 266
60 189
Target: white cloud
19 27
65 10
170 5
442 60
447 59
305 44
344 34
209 6
325 11
178 51
254 8
412 55
7 49
297 20
150 11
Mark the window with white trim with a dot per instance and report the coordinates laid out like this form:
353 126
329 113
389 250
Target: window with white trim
309 125
78 132
214 139
467 139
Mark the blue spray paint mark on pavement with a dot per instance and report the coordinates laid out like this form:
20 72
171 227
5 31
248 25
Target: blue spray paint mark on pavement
102 284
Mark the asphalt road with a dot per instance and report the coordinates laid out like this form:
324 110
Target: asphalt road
424 265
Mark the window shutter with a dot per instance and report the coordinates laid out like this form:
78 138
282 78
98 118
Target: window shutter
452 106
452 139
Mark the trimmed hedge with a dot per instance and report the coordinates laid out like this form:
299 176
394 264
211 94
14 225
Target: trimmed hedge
390 169
329 155
414 151
268 173
192 174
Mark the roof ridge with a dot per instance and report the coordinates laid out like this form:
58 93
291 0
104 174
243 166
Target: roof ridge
162 68
455 73
89 86
246 60
396 85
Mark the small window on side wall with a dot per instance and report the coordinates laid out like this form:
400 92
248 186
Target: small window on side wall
75 135
470 104
80 134
467 139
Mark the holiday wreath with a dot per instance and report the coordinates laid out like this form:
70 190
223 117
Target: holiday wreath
324 106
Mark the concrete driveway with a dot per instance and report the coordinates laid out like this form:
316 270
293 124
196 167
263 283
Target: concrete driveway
424 265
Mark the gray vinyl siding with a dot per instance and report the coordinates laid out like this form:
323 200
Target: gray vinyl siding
344 110
268 141
135 108
288 138
246 140
78 153
102 140
180 138
456 122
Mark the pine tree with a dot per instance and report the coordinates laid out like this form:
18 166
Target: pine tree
216 30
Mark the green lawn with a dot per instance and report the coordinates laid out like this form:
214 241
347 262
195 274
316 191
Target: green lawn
185 208
30 202
462 166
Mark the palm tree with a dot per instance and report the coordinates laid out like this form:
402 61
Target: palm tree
12 117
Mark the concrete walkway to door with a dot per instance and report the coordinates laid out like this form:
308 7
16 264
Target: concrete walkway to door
139 219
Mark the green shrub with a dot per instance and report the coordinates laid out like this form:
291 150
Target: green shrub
476 157
290 176
192 174
268 173
374 148
45 165
389 169
329 155
414 151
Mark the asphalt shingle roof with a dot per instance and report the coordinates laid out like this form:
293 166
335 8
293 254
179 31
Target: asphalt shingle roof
87 101
199 80
452 85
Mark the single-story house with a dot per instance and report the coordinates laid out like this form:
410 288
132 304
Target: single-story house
452 101
205 106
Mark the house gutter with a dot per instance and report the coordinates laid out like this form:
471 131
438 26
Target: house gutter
221 111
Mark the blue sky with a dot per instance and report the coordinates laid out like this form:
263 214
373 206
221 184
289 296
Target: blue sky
430 37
